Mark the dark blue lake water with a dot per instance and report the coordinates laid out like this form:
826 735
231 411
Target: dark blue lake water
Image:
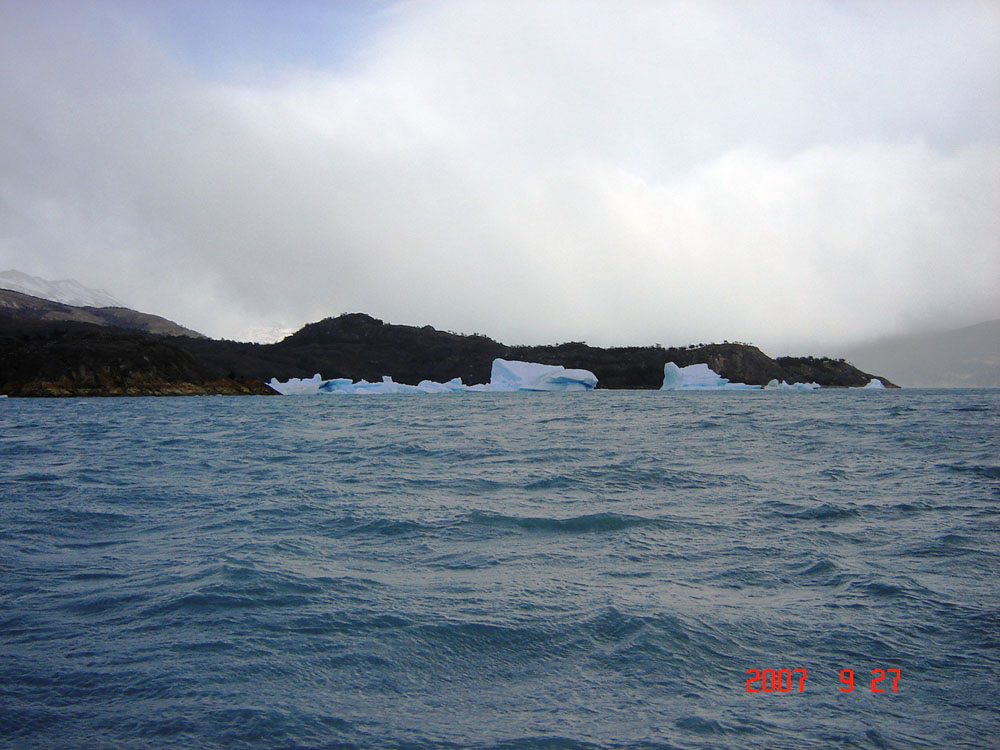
595 570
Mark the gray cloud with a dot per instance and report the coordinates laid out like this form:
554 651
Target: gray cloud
796 174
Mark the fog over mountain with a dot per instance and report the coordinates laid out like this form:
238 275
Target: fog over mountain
801 175
67 291
967 357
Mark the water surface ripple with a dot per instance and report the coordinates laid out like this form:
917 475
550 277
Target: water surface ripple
500 570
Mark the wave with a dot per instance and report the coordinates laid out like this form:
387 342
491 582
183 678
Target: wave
355 574
988 471
825 511
589 523
545 742
483 520
974 408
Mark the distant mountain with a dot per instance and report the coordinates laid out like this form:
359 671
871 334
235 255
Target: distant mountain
963 358
27 307
67 291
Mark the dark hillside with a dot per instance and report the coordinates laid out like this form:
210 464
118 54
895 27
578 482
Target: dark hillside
25 307
642 367
42 358
359 346
823 370
355 346
62 357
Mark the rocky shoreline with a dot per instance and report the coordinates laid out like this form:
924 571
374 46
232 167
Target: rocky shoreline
70 388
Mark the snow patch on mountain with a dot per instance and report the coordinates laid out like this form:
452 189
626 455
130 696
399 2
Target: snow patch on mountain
66 291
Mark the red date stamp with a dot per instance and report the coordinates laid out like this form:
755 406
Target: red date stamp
785 680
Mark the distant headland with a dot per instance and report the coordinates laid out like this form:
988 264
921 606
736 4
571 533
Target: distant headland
54 349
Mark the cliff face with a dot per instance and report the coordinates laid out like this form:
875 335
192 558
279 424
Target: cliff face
39 357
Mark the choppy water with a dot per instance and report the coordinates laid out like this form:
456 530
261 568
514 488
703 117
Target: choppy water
500 570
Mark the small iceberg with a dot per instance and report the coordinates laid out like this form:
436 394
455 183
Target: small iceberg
455 385
776 385
298 386
698 377
505 376
873 385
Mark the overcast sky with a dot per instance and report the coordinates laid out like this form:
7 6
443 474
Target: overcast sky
798 174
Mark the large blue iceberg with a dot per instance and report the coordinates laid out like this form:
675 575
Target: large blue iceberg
698 377
505 375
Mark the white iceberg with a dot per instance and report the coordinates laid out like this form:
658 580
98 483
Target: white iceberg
298 386
386 386
776 385
698 377
873 385
506 375
455 385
